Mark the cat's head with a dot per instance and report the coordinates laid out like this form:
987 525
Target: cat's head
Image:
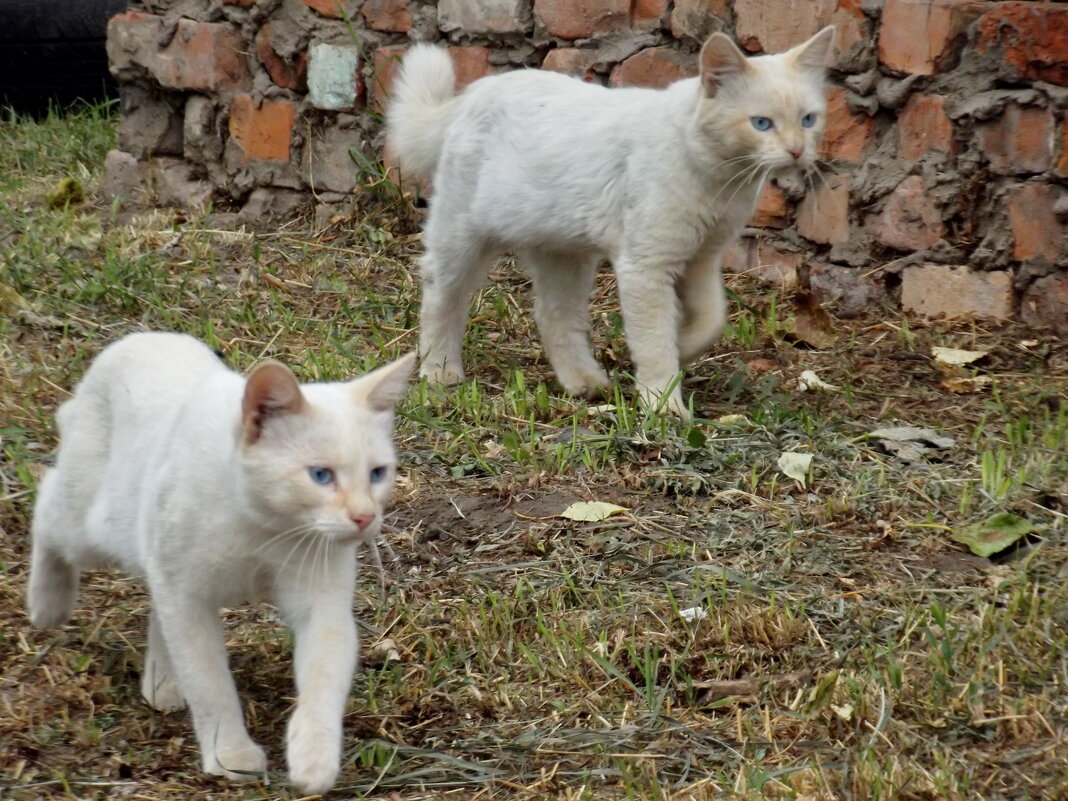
768 112
318 459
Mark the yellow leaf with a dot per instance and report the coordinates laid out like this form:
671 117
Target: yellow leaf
591 511
955 356
796 465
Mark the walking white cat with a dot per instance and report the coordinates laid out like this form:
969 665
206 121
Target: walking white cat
220 490
566 173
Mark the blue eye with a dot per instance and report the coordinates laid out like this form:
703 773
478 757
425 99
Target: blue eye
762 123
808 120
378 474
321 475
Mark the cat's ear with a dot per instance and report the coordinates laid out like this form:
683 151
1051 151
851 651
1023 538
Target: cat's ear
816 52
720 59
270 390
380 389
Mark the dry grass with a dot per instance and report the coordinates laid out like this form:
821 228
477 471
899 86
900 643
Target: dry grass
851 650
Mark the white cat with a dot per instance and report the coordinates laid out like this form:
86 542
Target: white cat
220 490
567 173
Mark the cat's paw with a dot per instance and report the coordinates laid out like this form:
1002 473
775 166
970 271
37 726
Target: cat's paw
313 754
589 384
161 692
241 762
654 401
445 375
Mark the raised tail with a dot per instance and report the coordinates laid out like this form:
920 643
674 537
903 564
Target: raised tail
420 108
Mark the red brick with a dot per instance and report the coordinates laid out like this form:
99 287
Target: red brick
777 266
696 19
1045 303
1029 38
918 36
388 15
923 127
772 26
265 132
201 56
647 13
909 219
1036 233
571 61
1061 167
938 290
385 63
287 74
1020 141
654 67
823 215
773 210
335 9
470 64
580 19
846 134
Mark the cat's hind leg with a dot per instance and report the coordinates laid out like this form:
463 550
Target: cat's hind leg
53 587
159 686
453 268
562 288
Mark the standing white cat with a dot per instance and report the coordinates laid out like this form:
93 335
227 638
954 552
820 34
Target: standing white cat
566 173
220 490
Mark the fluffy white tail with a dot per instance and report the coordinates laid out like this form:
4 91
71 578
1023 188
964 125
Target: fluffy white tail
420 109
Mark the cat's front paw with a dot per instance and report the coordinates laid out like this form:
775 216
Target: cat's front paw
313 753
667 403
442 374
589 384
241 762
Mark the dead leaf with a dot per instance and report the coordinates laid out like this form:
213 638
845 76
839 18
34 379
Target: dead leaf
811 322
909 443
964 384
957 357
808 380
591 511
762 365
796 465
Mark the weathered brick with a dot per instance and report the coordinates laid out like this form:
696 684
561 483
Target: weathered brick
696 19
823 215
123 177
1036 232
571 61
918 36
1030 40
335 9
775 265
773 209
178 183
201 56
1020 141
470 64
581 19
775 25
151 122
846 134
1045 303
852 30
939 290
385 63
483 16
909 219
334 80
923 127
289 74
654 67
387 15
265 132
646 14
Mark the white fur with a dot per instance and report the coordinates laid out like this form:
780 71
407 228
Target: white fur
566 173
159 473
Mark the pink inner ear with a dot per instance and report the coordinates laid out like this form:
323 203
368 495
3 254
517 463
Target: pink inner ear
720 58
270 390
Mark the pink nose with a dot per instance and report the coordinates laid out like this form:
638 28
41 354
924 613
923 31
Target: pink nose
362 521
796 151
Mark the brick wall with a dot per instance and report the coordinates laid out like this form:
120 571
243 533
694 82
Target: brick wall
947 131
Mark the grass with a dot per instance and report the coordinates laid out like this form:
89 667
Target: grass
845 647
